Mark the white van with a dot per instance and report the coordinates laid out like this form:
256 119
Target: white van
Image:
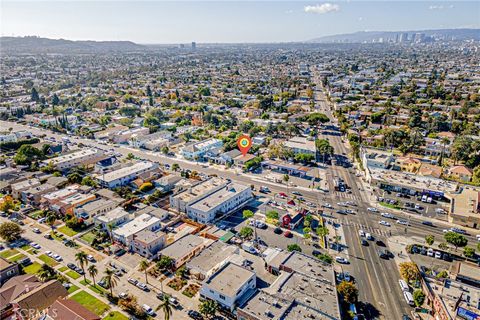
409 298
424 198
368 236
403 285
429 199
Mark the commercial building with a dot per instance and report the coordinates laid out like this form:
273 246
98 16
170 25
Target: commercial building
372 158
465 208
181 200
232 196
196 150
87 156
125 233
230 286
302 145
124 136
211 259
68 205
125 175
184 249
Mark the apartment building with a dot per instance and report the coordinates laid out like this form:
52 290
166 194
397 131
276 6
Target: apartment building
222 201
181 200
148 243
114 217
185 248
125 233
81 157
68 205
124 136
125 175
24 185
302 145
90 210
197 150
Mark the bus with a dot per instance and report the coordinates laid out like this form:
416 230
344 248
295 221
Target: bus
403 285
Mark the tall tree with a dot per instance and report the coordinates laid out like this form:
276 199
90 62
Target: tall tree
144 264
81 258
111 279
166 307
93 271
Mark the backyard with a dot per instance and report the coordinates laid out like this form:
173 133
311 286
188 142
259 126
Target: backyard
90 302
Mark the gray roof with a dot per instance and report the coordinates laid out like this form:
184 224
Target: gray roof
211 256
229 279
183 246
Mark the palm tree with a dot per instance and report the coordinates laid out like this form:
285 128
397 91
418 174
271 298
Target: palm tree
144 264
46 272
93 271
50 219
81 258
165 306
110 228
286 178
111 279
444 141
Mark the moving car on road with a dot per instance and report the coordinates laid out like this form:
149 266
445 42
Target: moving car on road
341 260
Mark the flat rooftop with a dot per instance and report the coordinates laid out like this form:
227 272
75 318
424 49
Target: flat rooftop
72 156
219 197
184 246
301 143
411 180
211 256
229 279
124 172
466 203
138 224
311 266
199 189
267 306
112 215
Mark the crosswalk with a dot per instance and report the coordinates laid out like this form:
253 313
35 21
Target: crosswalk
345 195
369 229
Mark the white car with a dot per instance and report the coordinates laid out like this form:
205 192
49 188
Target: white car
341 260
384 223
403 222
36 230
35 245
361 233
90 258
48 253
372 209
342 204
123 295
57 257
438 255
327 205
430 252
148 310
387 215
478 237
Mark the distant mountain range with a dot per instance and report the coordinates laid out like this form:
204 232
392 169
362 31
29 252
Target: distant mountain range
44 45
370 36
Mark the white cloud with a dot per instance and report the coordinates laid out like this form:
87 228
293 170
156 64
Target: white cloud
289 11
360 18
441 7
322 8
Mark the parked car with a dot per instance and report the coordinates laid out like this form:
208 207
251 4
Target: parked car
428 223
71 266
148 310
35 245
142 286
132 281
90 258
384 223
341 260
287 234
430 252
278 230
438 255
36 230
364 243
194 314
123 295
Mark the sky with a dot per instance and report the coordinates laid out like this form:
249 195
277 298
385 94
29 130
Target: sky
226 21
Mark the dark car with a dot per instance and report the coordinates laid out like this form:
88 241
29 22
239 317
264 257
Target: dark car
364 243
278 230
380 243
194 314
382 254
447 257
71 266
428 223
423 252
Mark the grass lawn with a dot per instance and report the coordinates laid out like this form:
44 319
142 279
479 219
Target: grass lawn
85 283
388 205
25 247
8 253
90 302
33 268
72 274
97 289
115 315
88 237
62 269
16 258
36 214
55 237
72 288
51 262
67 231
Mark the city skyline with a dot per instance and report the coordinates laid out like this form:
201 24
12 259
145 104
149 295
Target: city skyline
163 22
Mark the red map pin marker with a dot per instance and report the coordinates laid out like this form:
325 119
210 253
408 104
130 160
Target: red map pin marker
244 144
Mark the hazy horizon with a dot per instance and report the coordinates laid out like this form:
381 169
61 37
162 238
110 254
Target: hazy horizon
165 22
